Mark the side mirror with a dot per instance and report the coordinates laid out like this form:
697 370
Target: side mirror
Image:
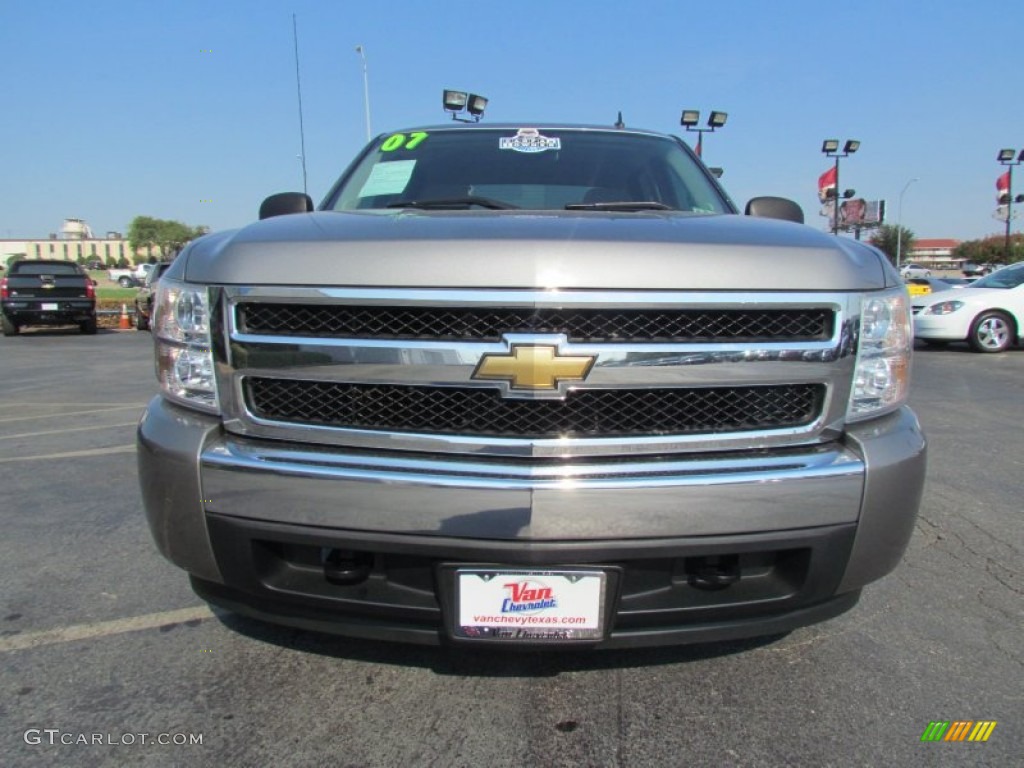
775 208
284 203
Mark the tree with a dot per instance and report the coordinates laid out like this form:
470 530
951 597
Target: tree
143 233
885 239
991 250
173 235
168 235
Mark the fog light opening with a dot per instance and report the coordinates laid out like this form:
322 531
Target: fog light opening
713 572
346 566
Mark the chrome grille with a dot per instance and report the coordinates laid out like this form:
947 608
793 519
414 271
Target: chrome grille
585 413
581 325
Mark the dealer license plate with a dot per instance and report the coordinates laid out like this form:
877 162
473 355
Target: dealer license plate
49 305
529 605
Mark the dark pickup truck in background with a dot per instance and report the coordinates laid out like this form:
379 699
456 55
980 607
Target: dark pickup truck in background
39 292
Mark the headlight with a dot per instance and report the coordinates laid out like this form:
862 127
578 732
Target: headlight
942 308
882 377
184 357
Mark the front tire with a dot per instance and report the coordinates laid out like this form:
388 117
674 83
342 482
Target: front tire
126 282
9 327
991 332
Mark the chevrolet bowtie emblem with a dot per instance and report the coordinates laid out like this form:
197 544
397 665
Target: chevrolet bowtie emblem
529 367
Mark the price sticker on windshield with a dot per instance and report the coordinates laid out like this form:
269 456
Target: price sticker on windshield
530 141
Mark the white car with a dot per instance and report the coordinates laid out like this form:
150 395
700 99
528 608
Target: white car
989 315
914 270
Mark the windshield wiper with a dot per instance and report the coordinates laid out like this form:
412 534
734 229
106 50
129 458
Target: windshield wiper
624 205
454 203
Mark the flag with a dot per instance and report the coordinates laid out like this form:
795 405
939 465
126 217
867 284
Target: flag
826 181
1002 186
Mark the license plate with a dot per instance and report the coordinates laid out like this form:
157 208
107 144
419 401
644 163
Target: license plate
50 305
528 605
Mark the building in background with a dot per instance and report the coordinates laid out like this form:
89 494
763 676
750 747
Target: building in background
76 242
935 253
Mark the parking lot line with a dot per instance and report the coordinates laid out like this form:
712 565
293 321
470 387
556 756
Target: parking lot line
74 454
102 629
72 413
65 431
76 404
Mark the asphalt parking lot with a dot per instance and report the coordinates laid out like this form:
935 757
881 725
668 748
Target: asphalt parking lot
102 641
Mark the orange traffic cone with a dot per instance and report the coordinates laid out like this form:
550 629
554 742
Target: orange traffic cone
125 323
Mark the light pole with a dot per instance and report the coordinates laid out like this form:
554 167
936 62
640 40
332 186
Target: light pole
830 148
899 221
690 119
366 89
1006 158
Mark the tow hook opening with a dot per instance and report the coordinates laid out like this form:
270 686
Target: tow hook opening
713 572
346 566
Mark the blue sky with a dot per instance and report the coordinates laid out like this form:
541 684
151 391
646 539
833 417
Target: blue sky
187 110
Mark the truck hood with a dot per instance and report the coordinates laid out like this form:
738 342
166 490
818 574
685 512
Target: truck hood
545 249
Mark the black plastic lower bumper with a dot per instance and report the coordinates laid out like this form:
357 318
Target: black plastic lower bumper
66 315
394 587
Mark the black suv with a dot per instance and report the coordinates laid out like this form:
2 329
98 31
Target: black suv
47 292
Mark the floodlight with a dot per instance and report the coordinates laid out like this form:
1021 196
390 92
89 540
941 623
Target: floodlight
717 119
830 145
476 105
851 146
1006 155
690 117
455 101
849 193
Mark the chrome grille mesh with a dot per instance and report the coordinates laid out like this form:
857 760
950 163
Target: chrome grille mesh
483 412
580 325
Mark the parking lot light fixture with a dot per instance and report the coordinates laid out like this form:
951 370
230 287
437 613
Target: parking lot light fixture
476 105
462 101
691 117
455 101
1005 157
830 148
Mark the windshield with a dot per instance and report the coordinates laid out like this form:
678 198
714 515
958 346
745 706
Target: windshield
1007 277
546 169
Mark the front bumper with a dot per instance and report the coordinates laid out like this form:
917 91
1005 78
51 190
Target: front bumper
952 327
806 528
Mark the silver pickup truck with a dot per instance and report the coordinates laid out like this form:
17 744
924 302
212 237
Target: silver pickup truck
536 386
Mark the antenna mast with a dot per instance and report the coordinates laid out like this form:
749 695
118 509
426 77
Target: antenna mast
298 88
